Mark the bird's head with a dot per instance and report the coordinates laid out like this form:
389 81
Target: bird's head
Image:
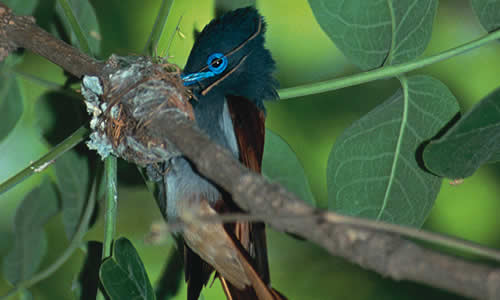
229 58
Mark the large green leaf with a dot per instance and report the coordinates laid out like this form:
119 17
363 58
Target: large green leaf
73 180
370 33
280 164
488 12
373 170
86 17
23 8
11 102
472 142
30 244
123 275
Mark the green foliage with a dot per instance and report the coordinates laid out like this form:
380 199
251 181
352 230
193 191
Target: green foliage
11 97
373 170
123 275
11 102
80 23
73 181
386 31
30 244
280 164
156 32
24 8
488 13
470 143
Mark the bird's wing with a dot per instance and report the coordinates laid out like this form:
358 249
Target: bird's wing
248 124
238 250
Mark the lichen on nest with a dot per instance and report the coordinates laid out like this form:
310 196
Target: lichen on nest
130 92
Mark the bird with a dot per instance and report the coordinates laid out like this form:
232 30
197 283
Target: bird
229 73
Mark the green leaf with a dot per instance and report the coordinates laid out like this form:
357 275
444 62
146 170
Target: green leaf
72 173
373 171
280 164
25 295
5 241
22 8
472 142
11 61
11 103
370 33
123 275
30 244
86 19
488 13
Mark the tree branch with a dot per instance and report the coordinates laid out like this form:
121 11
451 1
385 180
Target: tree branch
386 254
22 32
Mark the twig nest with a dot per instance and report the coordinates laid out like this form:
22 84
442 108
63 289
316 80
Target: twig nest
130 93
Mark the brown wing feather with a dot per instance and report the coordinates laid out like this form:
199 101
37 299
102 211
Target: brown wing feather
248 124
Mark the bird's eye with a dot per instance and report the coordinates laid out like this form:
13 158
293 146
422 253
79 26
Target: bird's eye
217 63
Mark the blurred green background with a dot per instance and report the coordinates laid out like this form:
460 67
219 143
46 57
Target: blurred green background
304 54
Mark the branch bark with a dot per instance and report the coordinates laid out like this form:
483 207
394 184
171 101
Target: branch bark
22 32
384 253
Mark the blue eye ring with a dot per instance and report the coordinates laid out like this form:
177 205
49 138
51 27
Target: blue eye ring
217 63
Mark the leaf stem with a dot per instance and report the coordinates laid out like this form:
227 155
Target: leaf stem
110 205
41 164
82 40
384 72
109 212
74 244
161 20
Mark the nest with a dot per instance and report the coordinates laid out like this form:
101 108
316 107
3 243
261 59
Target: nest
131 92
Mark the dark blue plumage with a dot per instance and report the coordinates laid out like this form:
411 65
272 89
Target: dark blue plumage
230 75
253 79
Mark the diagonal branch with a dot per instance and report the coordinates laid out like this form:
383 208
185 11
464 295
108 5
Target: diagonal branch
384 253
374 249
22 32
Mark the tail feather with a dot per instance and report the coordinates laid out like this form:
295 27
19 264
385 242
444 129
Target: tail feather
257 290
197 273
233 293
